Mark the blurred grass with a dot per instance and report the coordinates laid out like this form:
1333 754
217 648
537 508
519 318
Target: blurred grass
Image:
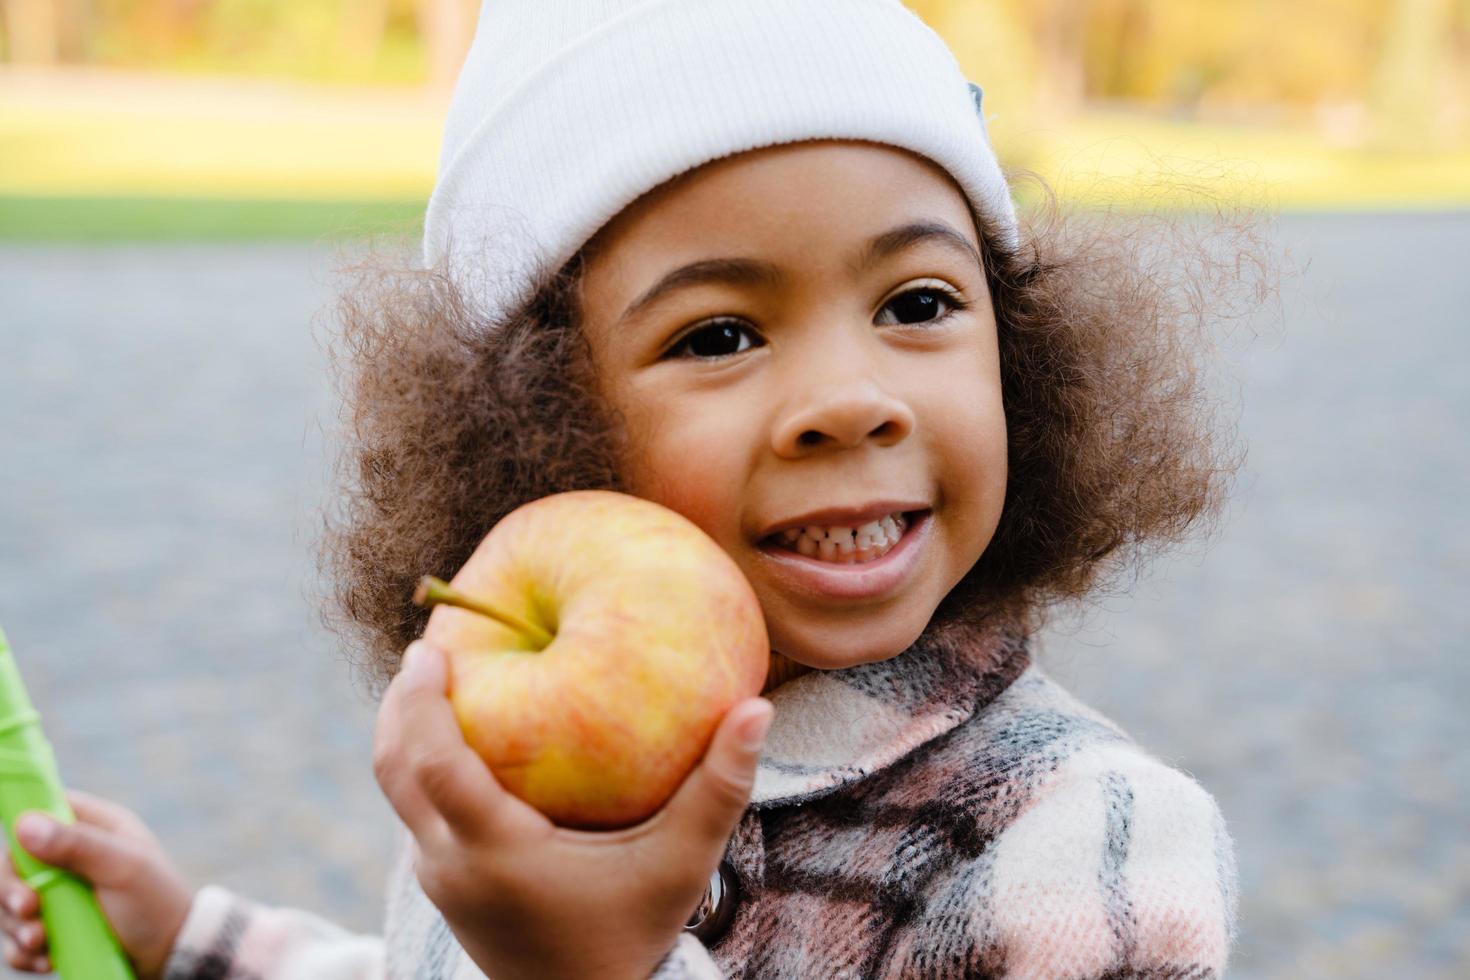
109 156
137 219
1112 157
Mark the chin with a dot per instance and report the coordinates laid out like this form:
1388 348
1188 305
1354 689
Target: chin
832 647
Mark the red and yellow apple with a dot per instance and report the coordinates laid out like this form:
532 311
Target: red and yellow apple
594 641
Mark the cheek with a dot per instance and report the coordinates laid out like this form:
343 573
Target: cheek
990 464
987 438
688 467
971 448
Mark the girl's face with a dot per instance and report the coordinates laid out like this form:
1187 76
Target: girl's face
801 336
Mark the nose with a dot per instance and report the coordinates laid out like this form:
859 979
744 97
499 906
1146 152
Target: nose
842 415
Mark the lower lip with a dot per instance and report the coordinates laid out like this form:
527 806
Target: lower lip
859 580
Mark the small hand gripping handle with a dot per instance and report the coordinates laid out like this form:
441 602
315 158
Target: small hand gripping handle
82 944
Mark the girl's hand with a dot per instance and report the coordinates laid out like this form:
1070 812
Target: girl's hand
524 897
142 894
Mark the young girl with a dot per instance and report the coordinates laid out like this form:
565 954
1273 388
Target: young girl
756 262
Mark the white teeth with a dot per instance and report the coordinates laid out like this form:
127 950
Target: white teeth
870 534
846 545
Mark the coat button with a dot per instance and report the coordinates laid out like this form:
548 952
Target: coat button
713 914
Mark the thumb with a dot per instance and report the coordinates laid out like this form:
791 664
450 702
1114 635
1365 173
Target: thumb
102 858
715 794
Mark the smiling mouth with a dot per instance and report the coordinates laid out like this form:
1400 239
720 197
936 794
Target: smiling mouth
844 545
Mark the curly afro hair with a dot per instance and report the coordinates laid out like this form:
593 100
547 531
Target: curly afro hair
1116 448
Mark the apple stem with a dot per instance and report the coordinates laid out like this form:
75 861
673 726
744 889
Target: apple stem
433 591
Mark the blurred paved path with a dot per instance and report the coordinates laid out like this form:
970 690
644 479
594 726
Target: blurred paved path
162 412
160 425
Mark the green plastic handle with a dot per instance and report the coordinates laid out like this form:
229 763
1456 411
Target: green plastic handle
82 945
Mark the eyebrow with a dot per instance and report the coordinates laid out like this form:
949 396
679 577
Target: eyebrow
754 272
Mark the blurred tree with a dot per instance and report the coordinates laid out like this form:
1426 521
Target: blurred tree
32 33
1410 72
172 24
1408 61
993 46
444 26
1117 31
360 31
1060 28
76 24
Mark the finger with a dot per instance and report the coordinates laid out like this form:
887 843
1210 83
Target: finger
25 960
19 901
391 766
711 799
450 775
104 813
17 897
29 936
103 858
11 926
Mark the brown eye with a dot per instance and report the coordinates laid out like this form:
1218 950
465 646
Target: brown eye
714 340
924 305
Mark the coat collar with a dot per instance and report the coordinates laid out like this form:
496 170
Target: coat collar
834 727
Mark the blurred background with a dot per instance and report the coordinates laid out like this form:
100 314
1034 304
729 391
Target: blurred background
139 119
179 179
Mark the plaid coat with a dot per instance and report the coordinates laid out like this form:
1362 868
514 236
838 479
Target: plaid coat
947 813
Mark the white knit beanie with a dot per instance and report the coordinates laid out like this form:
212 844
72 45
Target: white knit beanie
566 111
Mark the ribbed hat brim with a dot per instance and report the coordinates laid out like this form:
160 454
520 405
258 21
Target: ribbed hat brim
530 174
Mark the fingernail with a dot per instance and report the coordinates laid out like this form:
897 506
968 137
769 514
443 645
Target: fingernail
34 831
753 730
413 657
16 903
